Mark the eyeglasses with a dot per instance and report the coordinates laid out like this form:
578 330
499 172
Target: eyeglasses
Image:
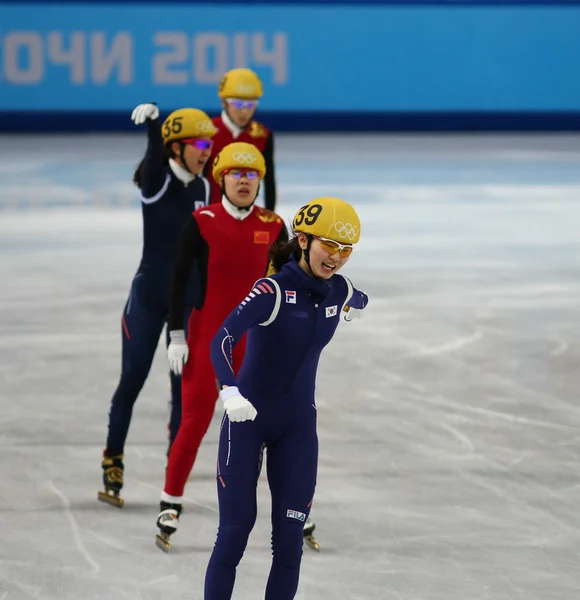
198 143
239 103
333 247
239 173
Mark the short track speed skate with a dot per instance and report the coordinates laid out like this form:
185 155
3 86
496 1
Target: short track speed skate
167 522
112 480
308 533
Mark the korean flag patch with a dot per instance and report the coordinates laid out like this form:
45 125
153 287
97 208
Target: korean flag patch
291 297
331 311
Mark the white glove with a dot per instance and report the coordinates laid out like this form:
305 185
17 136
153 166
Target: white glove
353 313
143 112
236 406
177 351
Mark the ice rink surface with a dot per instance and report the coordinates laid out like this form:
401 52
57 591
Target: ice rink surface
449 416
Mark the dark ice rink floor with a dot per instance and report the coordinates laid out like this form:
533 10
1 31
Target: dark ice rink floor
448 416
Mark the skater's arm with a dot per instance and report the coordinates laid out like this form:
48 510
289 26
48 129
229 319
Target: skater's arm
190 241
154 174
257 308
358 300
355 302
270 178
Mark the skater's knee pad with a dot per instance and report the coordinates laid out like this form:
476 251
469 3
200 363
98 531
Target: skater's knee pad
196 418
287 540
133 377
231 543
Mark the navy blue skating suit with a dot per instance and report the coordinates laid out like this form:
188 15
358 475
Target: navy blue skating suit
290 317
169 195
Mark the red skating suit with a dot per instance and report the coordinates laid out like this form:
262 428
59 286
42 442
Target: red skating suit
258 135
230 254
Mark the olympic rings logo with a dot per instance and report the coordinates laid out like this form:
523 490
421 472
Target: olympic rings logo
346 230
204 127
246 89
244 158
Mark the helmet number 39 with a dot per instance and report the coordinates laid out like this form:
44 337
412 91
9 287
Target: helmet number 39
308 215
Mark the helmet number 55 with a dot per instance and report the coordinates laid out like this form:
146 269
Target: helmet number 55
308 215
174 126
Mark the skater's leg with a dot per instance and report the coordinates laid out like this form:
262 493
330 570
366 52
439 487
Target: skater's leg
239 457
174 408
292 466
198 397
141 323
175 386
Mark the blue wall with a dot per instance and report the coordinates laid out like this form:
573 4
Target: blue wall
450 65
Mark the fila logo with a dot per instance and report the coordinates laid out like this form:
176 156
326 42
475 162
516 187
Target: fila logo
331 311
290 297
294 514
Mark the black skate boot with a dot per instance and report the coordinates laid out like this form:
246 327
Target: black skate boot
308 533
167 522
112 480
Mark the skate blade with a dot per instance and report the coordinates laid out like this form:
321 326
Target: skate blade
111 499
311 542
162 542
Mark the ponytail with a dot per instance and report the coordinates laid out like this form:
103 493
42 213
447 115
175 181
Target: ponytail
280 253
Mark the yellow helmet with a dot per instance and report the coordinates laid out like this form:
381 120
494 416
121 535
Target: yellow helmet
239 155
329 218
187 123
240 83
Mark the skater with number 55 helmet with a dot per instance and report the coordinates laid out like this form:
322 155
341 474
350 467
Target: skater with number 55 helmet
240 91
289 318
229 243
172 187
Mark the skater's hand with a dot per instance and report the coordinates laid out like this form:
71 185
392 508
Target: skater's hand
143 112
352 313
236 406
177 351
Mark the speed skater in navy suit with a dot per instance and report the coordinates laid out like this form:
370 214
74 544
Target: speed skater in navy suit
172 187
270 401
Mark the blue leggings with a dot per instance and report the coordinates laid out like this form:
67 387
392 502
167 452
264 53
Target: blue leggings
291 462
144 316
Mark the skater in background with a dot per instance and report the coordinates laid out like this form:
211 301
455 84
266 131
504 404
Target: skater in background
289 318
229 244
240 91
172 187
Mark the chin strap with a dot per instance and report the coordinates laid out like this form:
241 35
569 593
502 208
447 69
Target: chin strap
237 212
242 208
182 157
306 254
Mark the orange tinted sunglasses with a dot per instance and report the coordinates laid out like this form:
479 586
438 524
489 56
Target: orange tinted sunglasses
332 247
